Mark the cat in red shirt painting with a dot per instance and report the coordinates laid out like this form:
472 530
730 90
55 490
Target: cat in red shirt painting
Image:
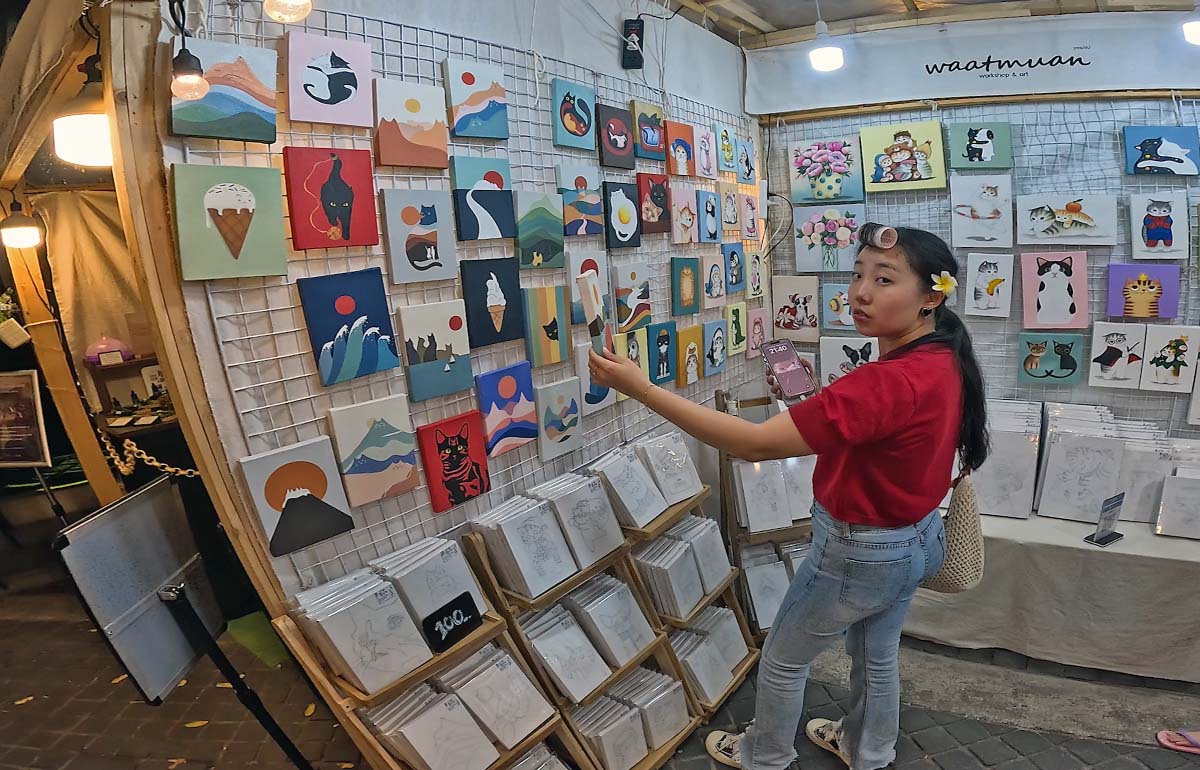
886 436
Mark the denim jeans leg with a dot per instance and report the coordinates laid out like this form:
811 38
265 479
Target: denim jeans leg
871 728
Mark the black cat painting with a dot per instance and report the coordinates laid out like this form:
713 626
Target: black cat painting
330 195
337 200
454 453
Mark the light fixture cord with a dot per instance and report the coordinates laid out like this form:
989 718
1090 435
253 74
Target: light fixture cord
179 16
818 4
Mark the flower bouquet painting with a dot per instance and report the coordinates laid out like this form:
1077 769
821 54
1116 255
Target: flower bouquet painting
827 238
826 170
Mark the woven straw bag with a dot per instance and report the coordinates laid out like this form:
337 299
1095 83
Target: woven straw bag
963 568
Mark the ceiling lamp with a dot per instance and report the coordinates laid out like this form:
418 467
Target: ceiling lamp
19 230
287 11
81 132
827 56
1191 26
187 73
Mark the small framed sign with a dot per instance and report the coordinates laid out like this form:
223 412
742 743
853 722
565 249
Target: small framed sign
1106 534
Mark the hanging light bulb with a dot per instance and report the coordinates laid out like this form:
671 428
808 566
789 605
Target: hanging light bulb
1191 26
187 75
81 132
287 11
19 230
826 57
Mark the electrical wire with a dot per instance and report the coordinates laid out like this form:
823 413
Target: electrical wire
663 18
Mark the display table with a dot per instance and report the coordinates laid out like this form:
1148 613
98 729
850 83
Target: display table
1131 607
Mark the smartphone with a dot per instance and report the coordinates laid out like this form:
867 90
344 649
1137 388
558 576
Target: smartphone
784 362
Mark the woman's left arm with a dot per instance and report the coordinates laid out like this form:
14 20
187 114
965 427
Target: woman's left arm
776 438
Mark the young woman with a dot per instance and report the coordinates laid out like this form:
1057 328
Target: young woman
886 437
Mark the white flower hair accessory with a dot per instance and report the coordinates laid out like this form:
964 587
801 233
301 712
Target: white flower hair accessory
945 283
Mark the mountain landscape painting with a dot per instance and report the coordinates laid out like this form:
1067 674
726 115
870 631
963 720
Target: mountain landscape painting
540 229
437 353
483 198
410 125
558 405
509 414
579 186
240 103
348 324
376 449
477 99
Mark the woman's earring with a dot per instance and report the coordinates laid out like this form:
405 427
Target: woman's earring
926 312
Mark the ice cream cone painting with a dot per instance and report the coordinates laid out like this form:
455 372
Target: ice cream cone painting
229 221
331 197
492 295
241 100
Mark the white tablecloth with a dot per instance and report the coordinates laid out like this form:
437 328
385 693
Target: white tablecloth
1133 607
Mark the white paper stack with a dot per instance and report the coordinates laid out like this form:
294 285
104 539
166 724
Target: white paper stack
761 496
612 618
671 466
767 581
428 574
1005 484
614 731
793 552
634 495
703 664
539 758
669 570
499 695
363 628
659 698
585 514
704 536
1179 511
798 480
570 657
526 545
432 731
720 625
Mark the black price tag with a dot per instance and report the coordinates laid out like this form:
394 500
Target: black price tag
452 622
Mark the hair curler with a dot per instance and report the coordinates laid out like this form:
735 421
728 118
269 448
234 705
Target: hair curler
877 235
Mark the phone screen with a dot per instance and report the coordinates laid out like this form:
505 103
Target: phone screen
784 362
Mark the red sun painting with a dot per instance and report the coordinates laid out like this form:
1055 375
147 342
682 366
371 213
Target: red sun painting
331 197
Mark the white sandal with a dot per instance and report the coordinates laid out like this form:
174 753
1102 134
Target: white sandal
828 735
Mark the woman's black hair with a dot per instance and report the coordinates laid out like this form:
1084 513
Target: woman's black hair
929 255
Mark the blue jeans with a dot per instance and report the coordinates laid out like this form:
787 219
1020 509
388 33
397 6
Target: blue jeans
857 582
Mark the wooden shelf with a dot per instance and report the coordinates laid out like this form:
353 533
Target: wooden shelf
131 430
139 362
493 626
623 671
794 532
667 518
528 742
739 676
546 598
711 597
657 758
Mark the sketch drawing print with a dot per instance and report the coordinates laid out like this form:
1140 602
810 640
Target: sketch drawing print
542 554
1083 478
1056 296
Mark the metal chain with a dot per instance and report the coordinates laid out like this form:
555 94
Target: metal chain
133 453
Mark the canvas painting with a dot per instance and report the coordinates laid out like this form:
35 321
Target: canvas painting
593 293
476 98
731 210
1170 358
622 226
708 217
329 80
714 280
654 198
736 327
906 156
349 324
650 140
491 290
715 348
750 215
689 365
331 197
726 147
506 402
759 323
1118 352
437 349
595 397
680 149
1067 219
229 221
410 125
825 170
454 453
835 306
827 237
735 267
419 225
706 152
661 339
633 345
241 99
1143 290
795 298
547 324
483 198
615 136
842 355
631 287
574 109
754 279
376 449
979 145
685 285
558 408
1055 288
539 229
982 210
1159 224
581 262
1050 358
298 494
988 285
579 186
746 168
684 228
1161 150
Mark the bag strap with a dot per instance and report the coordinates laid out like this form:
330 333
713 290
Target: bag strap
963 472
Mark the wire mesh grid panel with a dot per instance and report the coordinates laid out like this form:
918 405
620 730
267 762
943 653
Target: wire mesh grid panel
1058 148
259 323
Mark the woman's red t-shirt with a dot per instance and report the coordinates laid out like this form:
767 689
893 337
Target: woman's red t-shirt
885 436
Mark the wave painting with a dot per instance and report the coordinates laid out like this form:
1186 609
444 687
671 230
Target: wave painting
356 351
